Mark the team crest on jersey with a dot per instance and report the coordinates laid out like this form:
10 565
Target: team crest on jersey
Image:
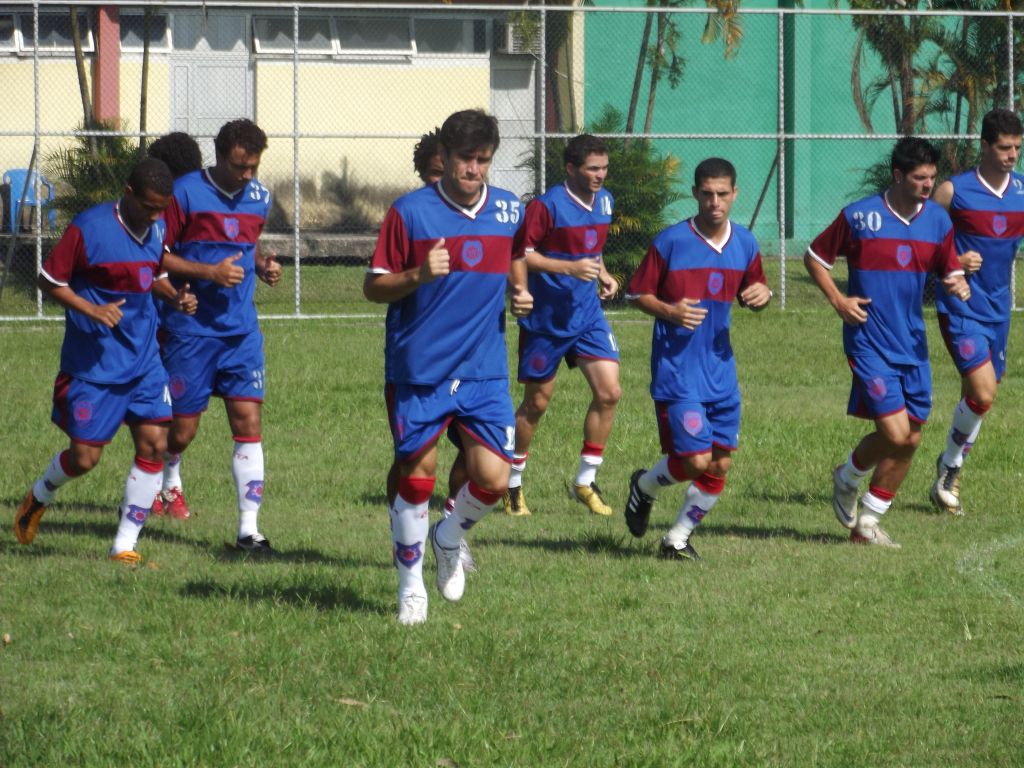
145 278
255 491
715 282
137 514
82 411
408 554
877 389
967 348
472 253
231 228
693 422
999 224
177 386
904 254
590 239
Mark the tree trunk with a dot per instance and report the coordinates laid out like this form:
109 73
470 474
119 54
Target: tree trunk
639 77
83 84
659 50
144 90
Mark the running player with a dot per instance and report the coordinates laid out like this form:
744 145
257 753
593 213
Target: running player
566 228
688 280
891 241
102 272
442 260
213 225
987 208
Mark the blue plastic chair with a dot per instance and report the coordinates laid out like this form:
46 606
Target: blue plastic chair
15 181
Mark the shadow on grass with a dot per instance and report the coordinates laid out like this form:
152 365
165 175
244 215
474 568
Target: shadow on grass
320 598
227 553
591 543
751 532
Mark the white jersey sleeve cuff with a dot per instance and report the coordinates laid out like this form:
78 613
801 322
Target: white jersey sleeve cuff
956 273
51 279
378 271
818 259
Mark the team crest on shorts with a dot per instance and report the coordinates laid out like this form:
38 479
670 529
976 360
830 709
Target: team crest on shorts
145 278
177 386
999 224
904 254
231 227
408 554
472 252
538 361
715 282
693 422
255 491
82 411
137 514
966 348
877 389
590 239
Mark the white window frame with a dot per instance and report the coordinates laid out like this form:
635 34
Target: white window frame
25 42
163 46
260 47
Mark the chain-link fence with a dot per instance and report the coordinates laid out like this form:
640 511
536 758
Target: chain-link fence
805 102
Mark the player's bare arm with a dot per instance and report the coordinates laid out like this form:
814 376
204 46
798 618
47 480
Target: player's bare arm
852 309
182 299
522 299
225 273
956 285
609 286
586 269
943 194
388 288
756 296
107 315
686 313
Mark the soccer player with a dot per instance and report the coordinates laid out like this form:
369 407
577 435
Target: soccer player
688 280
102 272
565 232
442 260
179 151
213 224
891 241
426 158
987 208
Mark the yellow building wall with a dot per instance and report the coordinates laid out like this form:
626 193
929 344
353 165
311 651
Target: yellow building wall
158 107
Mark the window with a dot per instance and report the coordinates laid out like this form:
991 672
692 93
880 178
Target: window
380 34
273 34
451 36
133 31
7 28
55 32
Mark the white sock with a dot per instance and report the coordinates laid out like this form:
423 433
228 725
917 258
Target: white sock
515 478
962 434
851 474
449 507
247 469
409 526
696 504
587 471
45 488
140 488
172 471
657 477
471 505
871 510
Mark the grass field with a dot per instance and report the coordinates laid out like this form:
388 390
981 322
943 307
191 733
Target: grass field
574 645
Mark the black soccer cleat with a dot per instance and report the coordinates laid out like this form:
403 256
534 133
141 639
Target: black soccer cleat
670 552
254 545
638 506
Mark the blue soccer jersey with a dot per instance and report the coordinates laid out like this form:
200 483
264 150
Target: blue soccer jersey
452 327
207 225
561 226
990 222
696 365
102 261
889 258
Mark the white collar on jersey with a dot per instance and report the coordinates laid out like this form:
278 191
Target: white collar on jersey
469 213
718 246
209 177
124 224
997 192
885 196
572 195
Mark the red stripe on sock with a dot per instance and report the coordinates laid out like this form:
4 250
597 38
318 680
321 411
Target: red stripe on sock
978 408
881 493
241 439
416 490
710 484
65 464
482 495
149 466
677 468
592 449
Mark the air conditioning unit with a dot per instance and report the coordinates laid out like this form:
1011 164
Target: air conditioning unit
512 38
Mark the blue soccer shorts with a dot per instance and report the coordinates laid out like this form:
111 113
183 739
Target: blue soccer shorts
881 388
687 427
972 343
91 413
419 414
230 367
540 354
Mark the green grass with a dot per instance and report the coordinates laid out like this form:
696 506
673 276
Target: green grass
573 646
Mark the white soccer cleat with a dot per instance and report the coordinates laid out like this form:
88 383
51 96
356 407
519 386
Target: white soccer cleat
874 535
412 609
945 493
468 563
451 579
844 499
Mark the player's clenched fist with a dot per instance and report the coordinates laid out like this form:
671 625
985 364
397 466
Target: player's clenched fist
186 301
227 273
970 261
522 301
688 313
108 314
956 286
756 296
586 269
437 264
